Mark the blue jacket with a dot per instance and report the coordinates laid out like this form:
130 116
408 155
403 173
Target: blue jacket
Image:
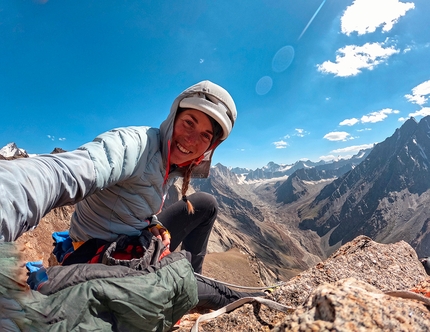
129 184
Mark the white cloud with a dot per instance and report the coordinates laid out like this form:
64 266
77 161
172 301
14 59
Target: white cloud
327 158
371 117
298 132
364 129
352 148
52 138
202 60
420 94
365 16
345 153
338 136
351 59
301 132
280 144
422 112
407 49
349 122
378 116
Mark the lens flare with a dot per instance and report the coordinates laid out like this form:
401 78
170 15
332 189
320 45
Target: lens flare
264 85
283 59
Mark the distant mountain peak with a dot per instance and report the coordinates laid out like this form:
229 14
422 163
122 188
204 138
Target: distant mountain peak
11 150
57 150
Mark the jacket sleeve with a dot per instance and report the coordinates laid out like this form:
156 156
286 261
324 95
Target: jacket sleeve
116 153
31 187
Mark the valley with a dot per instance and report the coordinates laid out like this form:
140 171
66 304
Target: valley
293 221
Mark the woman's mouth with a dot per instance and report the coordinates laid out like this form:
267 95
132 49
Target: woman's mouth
182 149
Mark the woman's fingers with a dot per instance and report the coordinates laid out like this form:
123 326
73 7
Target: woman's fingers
155 231
161 234
165 237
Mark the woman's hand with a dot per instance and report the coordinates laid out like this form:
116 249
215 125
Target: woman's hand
162 234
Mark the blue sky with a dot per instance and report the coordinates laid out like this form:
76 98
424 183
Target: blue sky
311 79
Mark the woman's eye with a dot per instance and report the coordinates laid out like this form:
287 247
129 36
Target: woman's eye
207 137
189 122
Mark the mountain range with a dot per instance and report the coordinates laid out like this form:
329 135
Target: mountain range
383 193
287 218
385 197
273 170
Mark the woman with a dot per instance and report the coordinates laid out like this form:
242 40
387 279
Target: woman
119 183
135 166
120 180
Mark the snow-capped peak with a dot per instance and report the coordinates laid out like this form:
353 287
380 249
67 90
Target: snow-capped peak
10 150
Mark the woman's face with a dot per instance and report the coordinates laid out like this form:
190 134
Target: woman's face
192 135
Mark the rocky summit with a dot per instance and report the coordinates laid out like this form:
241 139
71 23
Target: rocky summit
363 286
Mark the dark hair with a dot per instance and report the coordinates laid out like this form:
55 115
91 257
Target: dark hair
185 183
217 130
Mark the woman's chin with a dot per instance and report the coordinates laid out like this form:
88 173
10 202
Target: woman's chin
178 160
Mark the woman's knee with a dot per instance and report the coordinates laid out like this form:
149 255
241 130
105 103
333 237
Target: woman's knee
203 200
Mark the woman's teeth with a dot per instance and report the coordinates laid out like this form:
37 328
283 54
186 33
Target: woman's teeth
182 149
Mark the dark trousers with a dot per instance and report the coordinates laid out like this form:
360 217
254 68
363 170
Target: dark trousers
192 230
214 295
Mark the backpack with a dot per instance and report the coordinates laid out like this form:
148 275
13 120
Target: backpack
135 252
131 284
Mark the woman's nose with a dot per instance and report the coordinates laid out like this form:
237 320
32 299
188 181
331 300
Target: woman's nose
192 137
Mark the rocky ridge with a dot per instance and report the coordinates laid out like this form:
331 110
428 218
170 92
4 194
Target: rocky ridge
363 286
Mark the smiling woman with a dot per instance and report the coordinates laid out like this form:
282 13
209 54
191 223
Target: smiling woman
137 165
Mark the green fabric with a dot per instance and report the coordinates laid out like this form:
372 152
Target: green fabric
150 302
13 292
139 302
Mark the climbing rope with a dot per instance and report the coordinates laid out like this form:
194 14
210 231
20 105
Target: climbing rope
237 304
